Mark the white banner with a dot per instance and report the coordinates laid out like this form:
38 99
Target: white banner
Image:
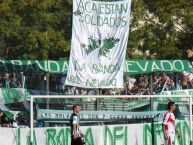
132 134
99 41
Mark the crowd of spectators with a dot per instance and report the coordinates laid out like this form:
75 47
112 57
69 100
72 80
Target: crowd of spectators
133 85
9 81
139 85
10 120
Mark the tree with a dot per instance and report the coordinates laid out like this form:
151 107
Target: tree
42 29
34 29
162 28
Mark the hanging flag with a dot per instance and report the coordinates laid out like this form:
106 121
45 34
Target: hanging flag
99 41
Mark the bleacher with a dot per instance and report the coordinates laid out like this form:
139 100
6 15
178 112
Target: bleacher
95 104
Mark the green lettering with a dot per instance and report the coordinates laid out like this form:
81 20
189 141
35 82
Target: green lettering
89 137
61 138
50 136
108 137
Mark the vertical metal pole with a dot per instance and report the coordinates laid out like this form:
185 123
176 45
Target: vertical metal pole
151 108
23 80
98 101
151 91
31 119
47 91
47 85
190 110
6 81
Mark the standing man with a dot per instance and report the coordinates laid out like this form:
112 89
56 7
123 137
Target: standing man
168 125
76 135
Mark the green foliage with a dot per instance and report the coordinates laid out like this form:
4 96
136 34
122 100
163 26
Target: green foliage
161 29
41 29
35 29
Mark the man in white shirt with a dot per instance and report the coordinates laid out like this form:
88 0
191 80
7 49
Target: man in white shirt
169 128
